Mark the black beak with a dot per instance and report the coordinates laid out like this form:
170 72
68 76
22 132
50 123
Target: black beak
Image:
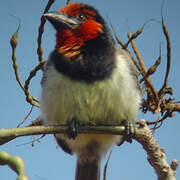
59 20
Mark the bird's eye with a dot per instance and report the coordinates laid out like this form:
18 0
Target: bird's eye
81 17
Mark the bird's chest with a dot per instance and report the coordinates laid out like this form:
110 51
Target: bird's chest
90 103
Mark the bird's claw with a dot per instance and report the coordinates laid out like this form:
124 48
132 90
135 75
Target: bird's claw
128 133
73 127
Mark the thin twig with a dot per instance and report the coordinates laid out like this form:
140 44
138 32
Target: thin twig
122 45
68 2
31 75
152 69
14 42
41 30
138 55
25 117
118 40
156 123
105 167
143 72
165 31
137 33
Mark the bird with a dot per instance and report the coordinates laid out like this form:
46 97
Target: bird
87 81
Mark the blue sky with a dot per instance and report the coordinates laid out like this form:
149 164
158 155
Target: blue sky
44 160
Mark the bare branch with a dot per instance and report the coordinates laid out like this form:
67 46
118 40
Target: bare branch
156 155
25 117
41 30
31 75
152 69
165 31
106 165
9 134
122 45
14 42
151 91
68 2
172 107
15 163
117 39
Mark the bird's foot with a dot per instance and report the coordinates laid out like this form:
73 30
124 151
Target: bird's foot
128 133
73 127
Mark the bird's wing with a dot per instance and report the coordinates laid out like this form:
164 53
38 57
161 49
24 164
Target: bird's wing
44 76
130 64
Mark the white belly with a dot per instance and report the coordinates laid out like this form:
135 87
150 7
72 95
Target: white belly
103 102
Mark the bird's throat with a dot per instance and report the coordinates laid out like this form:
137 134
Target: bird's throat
84 58
68 44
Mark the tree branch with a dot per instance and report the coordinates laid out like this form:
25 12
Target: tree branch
156 155
15 163
155 103
14 42
40 32
165 31
7 135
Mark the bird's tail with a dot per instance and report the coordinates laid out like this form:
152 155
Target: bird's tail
88 170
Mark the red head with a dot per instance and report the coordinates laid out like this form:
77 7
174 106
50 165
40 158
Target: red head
75 24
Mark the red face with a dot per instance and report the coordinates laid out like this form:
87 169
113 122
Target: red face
70 40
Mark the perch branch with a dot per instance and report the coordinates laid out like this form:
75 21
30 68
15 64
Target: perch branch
156 156
6 134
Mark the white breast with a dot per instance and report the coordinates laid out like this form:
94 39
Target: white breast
103 102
